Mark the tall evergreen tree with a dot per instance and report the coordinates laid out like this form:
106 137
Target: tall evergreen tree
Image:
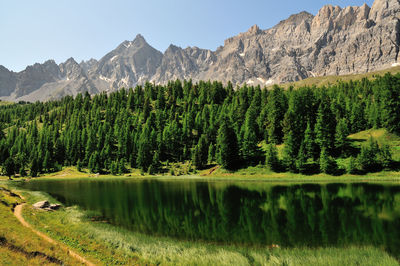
272 160
250 149
325 127
227 147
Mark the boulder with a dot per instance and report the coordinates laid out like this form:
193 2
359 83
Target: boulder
54 206
41 204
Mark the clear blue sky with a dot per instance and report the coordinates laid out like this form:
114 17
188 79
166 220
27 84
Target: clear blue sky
36 30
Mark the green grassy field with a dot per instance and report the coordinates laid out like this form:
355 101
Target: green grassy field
329 80
109 245
19 245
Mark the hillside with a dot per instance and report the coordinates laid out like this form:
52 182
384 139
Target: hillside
185 127
336 41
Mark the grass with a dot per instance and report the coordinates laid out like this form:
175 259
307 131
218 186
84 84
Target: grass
382 136
327 80
5 103
110 245
19 245
262 173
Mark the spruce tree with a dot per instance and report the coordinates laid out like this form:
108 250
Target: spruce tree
301 159
326 163
250 149
211 153
227 147
9 167
341 141
325 127
272 160
289 153
309 143
276 107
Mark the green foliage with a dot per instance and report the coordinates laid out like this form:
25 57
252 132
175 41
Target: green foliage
250 150
352 167
203 122
373 158
272 160
325 126
227 147
289 153
200 153
327 164
341 142
9 167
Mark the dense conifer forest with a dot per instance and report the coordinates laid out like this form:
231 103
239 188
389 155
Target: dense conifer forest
152 126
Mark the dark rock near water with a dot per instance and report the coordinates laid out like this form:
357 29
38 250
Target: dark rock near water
45 205
41 204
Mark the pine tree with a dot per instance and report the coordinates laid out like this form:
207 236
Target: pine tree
390 102
385 156
352 166
145 154
211 153
276 107
47 164
227 147
357 117
272 160
79 165
250 149
326 163
301 159
368 157
309 143
9 167
342 132
289 153
325 127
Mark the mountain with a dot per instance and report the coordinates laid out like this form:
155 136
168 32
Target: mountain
129 64
336 41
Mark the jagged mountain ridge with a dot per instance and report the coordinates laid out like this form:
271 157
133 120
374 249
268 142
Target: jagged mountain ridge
336 41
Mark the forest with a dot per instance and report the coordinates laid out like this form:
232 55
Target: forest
150 127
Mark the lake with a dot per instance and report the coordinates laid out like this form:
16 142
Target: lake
251 213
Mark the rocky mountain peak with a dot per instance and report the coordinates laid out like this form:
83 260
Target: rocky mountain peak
363 12
382 9
254 30
337 41
139 40
172 49
71 69
325 16
71 61
296 19
88 65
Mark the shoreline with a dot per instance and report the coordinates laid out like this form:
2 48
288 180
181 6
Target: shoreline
271 177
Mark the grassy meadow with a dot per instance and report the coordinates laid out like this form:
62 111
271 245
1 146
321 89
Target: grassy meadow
105 244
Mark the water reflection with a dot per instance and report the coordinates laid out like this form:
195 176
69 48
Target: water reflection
289 215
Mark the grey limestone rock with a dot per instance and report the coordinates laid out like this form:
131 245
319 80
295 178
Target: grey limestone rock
336 41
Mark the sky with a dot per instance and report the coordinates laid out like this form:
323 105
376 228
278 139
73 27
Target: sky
35 31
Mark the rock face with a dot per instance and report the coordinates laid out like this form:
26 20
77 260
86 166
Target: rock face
336 41
129 64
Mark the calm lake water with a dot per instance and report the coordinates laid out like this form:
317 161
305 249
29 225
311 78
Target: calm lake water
311 215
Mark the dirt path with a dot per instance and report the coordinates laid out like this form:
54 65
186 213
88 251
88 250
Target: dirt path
18 214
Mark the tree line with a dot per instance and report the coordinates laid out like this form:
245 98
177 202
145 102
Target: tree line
203 123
